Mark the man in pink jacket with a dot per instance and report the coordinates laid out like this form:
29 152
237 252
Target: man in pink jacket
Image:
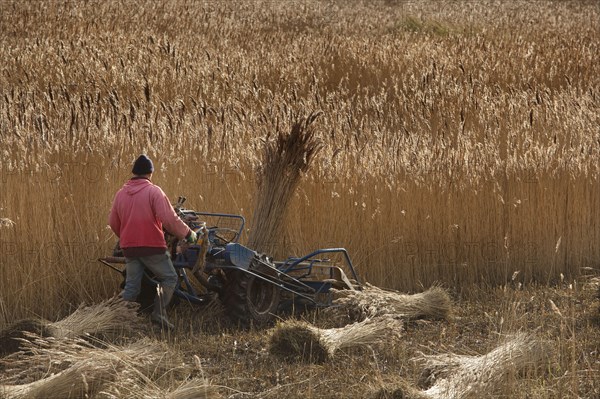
139 213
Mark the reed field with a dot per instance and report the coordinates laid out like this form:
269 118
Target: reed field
459 146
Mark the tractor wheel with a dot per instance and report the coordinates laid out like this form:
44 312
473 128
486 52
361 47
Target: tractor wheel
250 300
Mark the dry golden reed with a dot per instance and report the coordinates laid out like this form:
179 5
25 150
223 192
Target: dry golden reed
459 139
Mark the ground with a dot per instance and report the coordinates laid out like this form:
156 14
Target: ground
566 316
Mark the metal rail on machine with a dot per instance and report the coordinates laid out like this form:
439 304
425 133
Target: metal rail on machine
280 285
224 215
307 262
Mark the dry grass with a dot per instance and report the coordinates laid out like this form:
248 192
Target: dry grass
238 364
191 389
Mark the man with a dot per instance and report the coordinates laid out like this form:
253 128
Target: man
139 213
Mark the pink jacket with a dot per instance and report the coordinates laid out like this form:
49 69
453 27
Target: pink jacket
139 212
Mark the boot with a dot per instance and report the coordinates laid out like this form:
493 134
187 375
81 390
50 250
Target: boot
159 315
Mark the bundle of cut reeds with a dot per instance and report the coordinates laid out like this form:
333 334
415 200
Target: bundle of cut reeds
298 340
434 303
40 356
470 377
481 376
72 367
284 161
77 381
110 318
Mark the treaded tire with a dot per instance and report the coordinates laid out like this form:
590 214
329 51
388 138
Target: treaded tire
250 300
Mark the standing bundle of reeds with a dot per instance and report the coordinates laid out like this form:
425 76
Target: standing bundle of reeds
473 377
110 318
298 340
284 161
434 303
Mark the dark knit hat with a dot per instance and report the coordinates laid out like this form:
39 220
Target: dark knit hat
142 166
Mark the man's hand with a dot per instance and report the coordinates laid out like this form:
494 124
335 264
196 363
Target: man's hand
192 238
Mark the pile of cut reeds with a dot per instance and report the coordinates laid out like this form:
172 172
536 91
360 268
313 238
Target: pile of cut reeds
113 317
452 376
47 355
298 340
434 303
77 381
73 367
